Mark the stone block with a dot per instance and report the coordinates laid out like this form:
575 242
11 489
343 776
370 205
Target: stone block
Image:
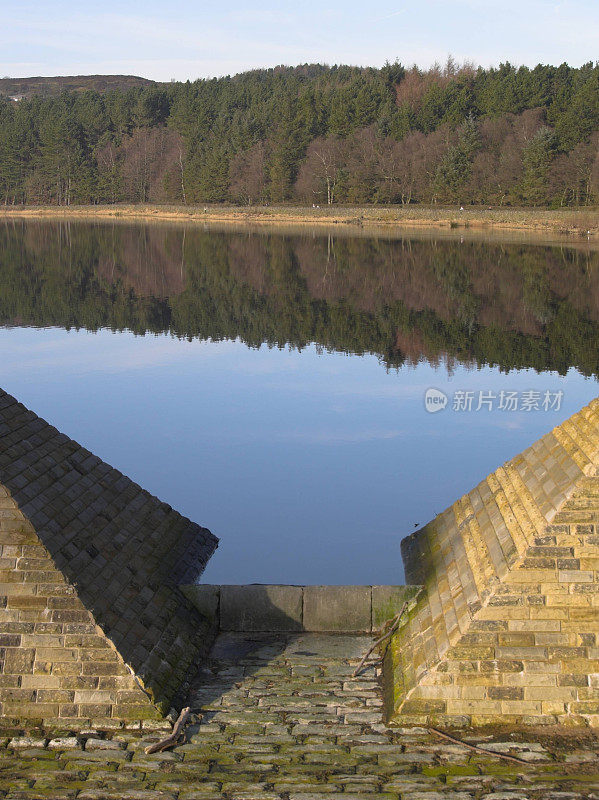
95 710
205 598
506 693
54 696
258 607
344 609
387 601
517 639
425 706
19 661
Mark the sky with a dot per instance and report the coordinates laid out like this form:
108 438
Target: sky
188 40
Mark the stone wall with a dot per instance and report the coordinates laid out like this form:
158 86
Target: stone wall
505 629
270 608
93 625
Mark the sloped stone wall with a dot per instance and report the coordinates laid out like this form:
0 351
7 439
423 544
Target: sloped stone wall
56 662
93 624
505 629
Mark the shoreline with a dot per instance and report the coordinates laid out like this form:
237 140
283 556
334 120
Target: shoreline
564 223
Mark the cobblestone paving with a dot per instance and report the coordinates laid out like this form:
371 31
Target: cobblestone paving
283 719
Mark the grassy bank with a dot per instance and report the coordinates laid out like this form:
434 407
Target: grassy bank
556 222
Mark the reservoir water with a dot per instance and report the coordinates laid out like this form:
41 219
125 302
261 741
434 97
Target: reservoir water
311 398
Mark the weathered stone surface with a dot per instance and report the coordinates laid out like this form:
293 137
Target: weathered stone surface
387 601
338 608
261 608
280 759
205 598
103 744
26 742
64 743
269 607
90 566
505 629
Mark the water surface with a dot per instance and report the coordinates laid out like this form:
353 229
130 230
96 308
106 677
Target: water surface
271 387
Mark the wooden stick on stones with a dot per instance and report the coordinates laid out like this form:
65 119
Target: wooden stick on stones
171 740
476 748
395 623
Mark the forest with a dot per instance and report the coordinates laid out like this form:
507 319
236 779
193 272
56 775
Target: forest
313 134
405 300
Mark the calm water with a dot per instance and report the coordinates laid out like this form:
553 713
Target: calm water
272 387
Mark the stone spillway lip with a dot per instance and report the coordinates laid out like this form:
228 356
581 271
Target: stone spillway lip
270 608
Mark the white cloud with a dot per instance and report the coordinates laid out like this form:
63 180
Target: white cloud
338 437
188 41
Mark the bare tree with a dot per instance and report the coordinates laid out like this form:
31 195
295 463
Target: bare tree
152 165
497 168
247 174
361 157
321 170
573 176
184 196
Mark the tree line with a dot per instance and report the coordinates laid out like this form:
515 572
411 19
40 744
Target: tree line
314 134
405 300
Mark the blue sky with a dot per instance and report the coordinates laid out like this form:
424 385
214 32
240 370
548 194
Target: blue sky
183 39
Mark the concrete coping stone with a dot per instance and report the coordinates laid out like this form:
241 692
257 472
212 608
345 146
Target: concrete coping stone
278 608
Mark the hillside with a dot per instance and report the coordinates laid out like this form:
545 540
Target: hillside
50 87
312 134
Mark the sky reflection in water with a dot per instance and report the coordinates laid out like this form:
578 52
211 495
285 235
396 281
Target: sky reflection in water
309 466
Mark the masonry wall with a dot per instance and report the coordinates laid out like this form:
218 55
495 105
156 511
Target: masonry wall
56 662
505 627
93 624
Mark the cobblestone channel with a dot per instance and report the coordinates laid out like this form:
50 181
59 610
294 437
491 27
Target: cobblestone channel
283 718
